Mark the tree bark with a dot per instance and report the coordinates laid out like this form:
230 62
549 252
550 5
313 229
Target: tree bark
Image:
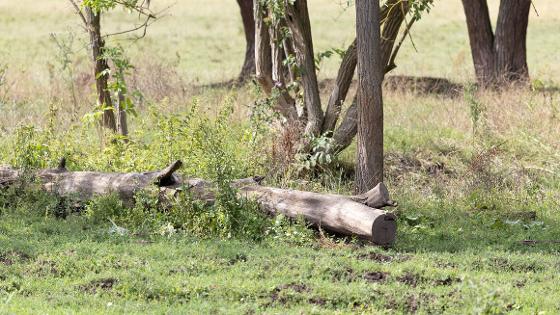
297 19
122 125
370 102
101 78
264 64
348 215
340 90
511 41
247 16
392 17
499 58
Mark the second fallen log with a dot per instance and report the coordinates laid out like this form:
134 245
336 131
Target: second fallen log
334 213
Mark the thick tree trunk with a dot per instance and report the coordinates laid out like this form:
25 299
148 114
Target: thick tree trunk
511 41
481 38
348 215
247 16
101 78
501 58
371 69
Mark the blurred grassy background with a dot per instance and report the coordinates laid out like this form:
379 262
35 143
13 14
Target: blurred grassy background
206 38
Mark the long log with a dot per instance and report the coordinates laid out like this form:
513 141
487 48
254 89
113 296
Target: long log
349 215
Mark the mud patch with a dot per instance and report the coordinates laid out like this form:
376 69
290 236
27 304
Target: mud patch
423 85
317 301
6 261
412 304
410 279
99 285
12 257
278 294
446 281
375 276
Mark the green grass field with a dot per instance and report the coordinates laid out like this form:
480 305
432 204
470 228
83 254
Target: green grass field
475 176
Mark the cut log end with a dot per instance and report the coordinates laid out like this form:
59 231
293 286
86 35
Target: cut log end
384 229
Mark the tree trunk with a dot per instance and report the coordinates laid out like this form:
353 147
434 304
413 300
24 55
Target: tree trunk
348 215
481 38
371 69
101 78
297 19
501 58
392 17
300 45
122 124
340 90
264 64
247 16
511 41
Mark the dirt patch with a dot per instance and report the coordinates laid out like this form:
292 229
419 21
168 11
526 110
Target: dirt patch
10 258
99 285
410 279
412 304
376 257
375 276
399 165
446 281
317 301
6 261
423 85
276 295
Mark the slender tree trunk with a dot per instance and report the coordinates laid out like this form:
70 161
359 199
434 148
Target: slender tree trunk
247 16
370 101
297 18
498 58
97 46
122 124
264 64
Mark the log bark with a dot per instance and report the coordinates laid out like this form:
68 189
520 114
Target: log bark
349 215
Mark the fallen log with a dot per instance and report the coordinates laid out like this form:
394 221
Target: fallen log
349 215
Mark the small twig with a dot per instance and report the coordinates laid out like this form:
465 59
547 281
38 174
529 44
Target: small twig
399 44
535 8
79 12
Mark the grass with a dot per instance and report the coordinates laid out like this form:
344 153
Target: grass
73 266
470 189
